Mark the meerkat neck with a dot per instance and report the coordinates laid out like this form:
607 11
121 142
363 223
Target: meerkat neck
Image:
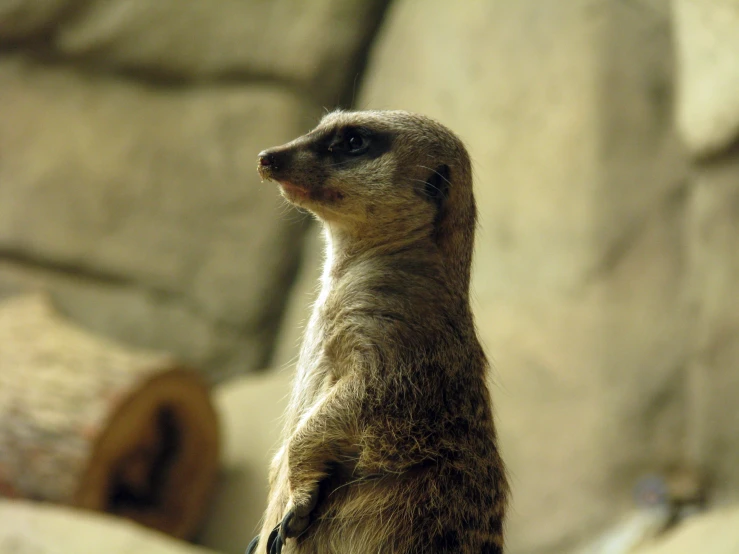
374 240
412 264
344 250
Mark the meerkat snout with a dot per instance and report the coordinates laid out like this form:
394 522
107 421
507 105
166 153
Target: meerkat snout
264 160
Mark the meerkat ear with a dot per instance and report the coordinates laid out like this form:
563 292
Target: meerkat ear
437 185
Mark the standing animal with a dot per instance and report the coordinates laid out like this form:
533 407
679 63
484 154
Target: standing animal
389 444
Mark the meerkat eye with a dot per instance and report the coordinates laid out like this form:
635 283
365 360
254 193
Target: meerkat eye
355 142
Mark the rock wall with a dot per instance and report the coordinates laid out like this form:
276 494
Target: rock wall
129 132
707 42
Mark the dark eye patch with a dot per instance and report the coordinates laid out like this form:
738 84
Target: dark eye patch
350 143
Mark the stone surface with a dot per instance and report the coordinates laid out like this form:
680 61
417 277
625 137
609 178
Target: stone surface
20 19
36 528
250 410
633 530
140 207
313 45
716 532
713 253
707 40
566 109
708 114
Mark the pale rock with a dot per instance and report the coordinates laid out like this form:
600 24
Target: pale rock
21 19
707 42
715 532
312 45
635 529
141 209
713 256
39 528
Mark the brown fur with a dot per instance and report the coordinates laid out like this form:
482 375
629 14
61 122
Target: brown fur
389 443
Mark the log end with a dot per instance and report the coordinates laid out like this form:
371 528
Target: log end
156 461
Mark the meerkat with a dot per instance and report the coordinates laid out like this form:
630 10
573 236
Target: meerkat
389 441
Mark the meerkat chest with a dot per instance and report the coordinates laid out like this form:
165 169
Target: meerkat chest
315 375
327 343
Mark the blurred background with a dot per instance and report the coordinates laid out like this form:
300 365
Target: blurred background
152 290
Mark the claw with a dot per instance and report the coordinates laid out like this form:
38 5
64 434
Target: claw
274 542
252 548
294 524
296 521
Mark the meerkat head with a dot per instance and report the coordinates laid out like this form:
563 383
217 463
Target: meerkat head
383 175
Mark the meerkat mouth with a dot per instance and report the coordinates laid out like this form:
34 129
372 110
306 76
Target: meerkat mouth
292 190
288 188
265 172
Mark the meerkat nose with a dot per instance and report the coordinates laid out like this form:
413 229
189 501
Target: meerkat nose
265 159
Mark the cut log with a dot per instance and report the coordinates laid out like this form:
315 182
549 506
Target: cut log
90 423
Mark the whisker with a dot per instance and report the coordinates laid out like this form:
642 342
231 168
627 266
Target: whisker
439 174
425 184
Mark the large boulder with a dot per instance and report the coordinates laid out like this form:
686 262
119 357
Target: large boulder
235 40
707 39
141 210
707 42
713 368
